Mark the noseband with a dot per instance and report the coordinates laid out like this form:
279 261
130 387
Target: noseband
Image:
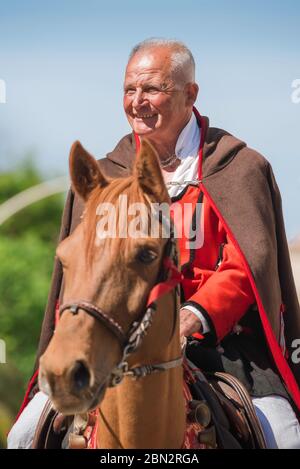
168 279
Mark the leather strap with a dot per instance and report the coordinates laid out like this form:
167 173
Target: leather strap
98 314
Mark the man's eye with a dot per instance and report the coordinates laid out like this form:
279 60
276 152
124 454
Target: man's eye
129 91
152 90
146 256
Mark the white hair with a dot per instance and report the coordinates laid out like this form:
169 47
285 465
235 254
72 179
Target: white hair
182 59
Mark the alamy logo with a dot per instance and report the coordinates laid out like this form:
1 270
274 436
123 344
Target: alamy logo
296 353
2 351
138 220
2 91
295 96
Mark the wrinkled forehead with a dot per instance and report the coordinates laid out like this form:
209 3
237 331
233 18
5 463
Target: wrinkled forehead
149 64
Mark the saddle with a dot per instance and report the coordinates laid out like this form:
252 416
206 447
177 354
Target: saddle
233 423
220 415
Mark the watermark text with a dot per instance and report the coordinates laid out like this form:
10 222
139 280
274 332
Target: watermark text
2 351
139 220
295 96
296 353
2 91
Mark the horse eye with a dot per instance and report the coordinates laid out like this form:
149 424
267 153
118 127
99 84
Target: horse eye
146 256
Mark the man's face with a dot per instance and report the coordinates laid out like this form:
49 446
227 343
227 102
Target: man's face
156 104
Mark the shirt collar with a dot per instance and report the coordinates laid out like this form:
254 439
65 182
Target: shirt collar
188 140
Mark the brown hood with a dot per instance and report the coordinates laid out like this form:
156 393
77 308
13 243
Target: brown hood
246 194
219 149
124 152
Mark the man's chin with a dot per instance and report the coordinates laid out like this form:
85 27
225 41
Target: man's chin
142 130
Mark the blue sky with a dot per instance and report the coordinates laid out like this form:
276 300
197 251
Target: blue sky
63 64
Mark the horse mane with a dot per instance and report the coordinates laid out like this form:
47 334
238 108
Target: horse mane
110 194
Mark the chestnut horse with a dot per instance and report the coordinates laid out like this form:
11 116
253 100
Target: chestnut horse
107 283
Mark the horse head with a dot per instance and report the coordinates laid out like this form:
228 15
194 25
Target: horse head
107 281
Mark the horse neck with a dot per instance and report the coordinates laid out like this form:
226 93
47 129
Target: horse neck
149 412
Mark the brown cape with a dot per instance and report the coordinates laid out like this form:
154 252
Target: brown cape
243 188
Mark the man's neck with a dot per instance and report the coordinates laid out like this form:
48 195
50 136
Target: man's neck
166 147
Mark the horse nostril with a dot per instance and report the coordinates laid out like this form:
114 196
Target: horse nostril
80 376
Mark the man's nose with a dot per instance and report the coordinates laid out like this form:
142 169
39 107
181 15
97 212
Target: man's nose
138 98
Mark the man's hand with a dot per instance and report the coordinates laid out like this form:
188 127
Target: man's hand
189 323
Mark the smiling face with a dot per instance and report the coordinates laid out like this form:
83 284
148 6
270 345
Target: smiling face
157 101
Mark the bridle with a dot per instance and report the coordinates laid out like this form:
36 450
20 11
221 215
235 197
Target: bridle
168 279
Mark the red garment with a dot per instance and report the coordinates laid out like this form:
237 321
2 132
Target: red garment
262 182
214 274
274 347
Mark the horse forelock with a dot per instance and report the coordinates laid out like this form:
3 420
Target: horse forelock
111 195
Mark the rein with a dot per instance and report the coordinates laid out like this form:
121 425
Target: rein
170 278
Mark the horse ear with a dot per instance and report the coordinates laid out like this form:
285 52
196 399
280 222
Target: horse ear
148 173
84 171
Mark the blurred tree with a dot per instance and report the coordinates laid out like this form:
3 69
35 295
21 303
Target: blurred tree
41 218
25 270
27 247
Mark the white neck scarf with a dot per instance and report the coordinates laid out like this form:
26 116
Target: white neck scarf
186 149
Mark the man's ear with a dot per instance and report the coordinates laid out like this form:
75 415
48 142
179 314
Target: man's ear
84 171
191 93
148 173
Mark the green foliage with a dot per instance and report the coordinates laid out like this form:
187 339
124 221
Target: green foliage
5 423
27 248
25 270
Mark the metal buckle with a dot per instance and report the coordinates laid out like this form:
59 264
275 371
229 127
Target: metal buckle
118 373
74 309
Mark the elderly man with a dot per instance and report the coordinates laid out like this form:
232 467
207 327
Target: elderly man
238 297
